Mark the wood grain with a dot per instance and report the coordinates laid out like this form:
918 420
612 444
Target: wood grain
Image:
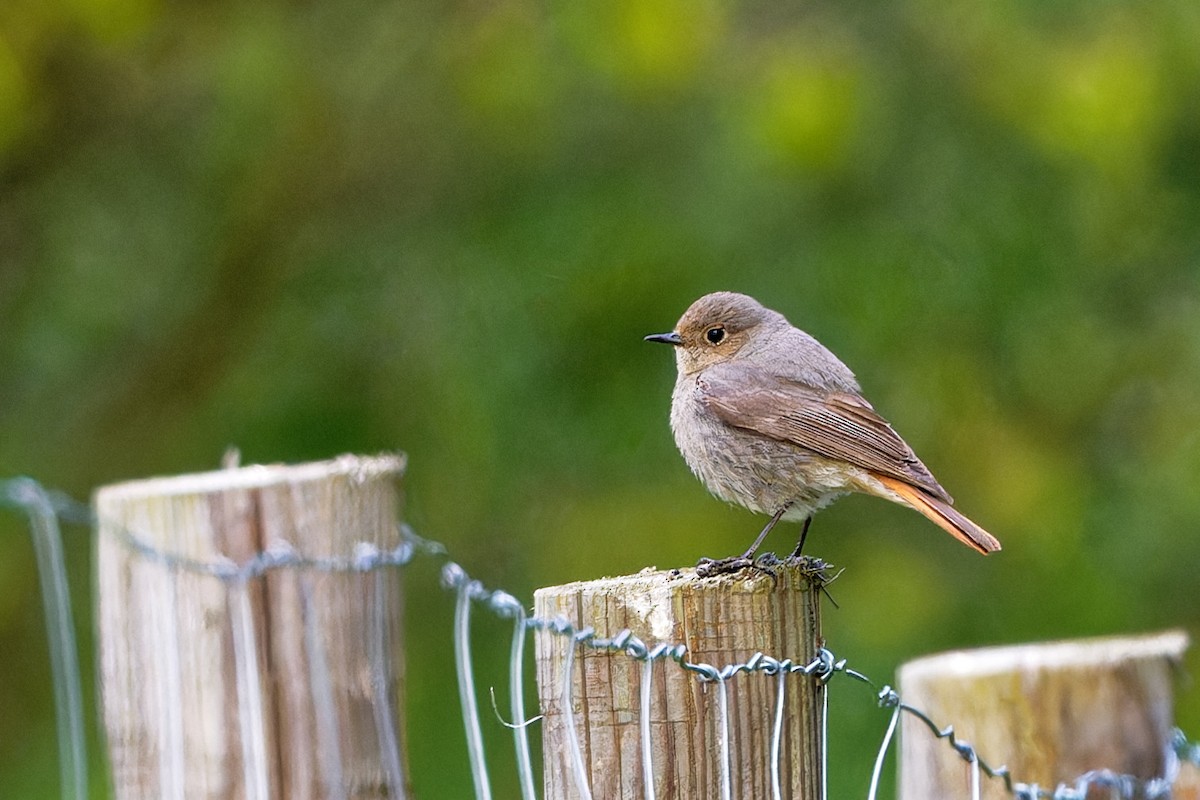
1051 712
721 620
178 722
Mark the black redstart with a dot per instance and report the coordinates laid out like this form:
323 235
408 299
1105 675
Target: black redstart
770 419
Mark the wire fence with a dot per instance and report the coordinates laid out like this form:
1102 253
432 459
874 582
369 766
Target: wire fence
45 510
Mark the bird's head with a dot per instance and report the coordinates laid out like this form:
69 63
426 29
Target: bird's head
715 329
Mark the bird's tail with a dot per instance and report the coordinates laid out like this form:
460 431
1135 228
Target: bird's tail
944 515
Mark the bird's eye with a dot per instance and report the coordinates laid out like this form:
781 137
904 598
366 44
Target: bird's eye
715 335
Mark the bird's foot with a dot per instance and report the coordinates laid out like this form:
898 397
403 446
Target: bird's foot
711 567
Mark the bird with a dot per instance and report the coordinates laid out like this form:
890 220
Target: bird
768 418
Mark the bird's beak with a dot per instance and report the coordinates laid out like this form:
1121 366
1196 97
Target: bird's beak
665 338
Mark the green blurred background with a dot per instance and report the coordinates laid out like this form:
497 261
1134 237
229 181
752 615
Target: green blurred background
312 228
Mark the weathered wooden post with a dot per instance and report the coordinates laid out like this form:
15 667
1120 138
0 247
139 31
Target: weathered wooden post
284 682
723 620
1050 712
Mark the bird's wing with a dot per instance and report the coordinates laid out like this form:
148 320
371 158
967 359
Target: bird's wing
837 425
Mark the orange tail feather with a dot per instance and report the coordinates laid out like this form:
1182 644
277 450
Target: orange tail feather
944 515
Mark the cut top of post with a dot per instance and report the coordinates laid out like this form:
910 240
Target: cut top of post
321 508
650 596
258 476
989 661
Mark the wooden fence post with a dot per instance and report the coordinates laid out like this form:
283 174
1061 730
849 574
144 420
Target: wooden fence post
284 684
721 621
1050 712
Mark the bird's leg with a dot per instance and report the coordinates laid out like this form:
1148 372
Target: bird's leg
767 529
707 567
803 534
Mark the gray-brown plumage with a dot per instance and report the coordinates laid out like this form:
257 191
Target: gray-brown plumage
770 419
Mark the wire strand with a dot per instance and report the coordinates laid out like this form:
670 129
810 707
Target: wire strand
46 509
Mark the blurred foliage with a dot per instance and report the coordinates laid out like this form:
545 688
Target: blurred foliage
311 228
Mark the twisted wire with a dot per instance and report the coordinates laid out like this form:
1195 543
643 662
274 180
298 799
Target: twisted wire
47 508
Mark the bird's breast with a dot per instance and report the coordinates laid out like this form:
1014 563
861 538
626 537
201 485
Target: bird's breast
744 467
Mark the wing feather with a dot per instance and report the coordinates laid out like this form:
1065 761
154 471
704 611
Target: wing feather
836 425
